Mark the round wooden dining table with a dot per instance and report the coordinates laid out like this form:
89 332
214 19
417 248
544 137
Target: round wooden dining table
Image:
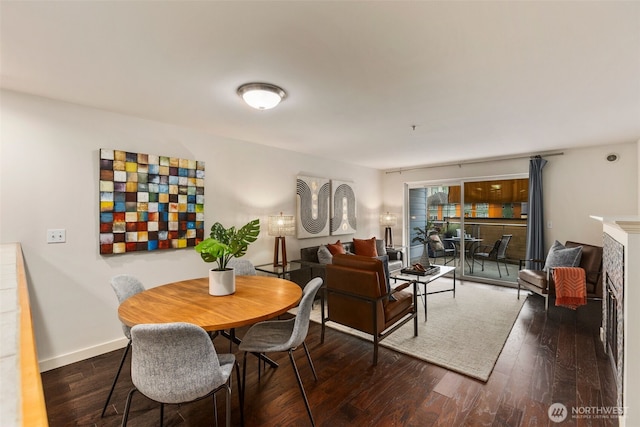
257 298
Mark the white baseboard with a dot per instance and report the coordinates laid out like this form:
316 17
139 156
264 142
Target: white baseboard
86 353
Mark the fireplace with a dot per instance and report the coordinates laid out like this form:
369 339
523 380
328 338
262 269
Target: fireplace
613 308
621 252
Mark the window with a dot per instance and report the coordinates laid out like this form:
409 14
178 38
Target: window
471 214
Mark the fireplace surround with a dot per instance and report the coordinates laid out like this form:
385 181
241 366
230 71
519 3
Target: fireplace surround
621 319
613 308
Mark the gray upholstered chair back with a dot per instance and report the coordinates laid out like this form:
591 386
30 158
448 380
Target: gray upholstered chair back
301 325
126 286
174 362
242 267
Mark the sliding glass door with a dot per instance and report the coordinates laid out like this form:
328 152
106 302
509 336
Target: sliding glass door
483 221
430 210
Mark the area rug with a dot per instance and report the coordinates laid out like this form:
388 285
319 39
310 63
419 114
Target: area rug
464 334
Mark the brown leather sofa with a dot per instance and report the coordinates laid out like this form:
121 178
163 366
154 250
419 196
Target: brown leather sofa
312 267
358 296
541 282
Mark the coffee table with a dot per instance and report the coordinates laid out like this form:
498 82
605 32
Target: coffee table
426 279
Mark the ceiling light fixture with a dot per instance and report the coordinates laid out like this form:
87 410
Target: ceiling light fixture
261 96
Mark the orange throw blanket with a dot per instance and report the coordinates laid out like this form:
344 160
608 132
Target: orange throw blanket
571 286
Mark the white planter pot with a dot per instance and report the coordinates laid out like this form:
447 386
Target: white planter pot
222 282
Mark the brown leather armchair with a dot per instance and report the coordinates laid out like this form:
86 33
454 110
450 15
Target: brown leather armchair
357 296
541 282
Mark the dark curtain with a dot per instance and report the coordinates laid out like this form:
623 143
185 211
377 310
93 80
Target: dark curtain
535 218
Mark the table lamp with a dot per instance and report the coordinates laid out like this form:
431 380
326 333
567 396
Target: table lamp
388 220
281 226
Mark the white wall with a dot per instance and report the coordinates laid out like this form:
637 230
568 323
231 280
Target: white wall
583 183
577 184
49 179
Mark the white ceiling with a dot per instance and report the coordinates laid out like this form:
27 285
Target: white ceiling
478 79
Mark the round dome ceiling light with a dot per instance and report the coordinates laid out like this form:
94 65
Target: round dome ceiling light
261 96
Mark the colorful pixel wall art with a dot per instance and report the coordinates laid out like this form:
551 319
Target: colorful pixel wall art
149 202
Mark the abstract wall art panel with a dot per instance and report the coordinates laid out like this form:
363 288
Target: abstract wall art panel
149 202
312 200
343 208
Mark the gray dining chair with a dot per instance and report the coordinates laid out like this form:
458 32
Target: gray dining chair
283 335
124 286
174 363
243 267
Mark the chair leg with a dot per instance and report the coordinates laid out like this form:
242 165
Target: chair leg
244 380
228 404
304 395
322 318
518 288
505 267
313 369
240 394
127 406
499 272
215 409
375 350
115 380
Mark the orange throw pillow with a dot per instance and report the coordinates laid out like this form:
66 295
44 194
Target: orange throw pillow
336 248
365 247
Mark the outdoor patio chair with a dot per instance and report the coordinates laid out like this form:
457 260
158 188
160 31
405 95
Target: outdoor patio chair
497 252
445 249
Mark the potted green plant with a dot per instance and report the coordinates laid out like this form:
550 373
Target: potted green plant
222 245
422 236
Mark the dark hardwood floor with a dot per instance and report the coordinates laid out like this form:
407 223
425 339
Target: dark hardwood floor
547 359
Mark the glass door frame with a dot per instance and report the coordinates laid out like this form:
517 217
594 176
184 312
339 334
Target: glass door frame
406 232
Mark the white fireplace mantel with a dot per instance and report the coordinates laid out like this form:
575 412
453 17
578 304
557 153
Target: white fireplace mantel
626 230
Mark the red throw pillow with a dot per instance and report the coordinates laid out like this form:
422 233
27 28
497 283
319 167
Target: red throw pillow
365 247
336 248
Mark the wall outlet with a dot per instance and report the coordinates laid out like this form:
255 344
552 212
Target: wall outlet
549 224
58 235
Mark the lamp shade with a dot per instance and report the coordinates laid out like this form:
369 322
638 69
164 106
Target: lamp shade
388 219
261 96
281 225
